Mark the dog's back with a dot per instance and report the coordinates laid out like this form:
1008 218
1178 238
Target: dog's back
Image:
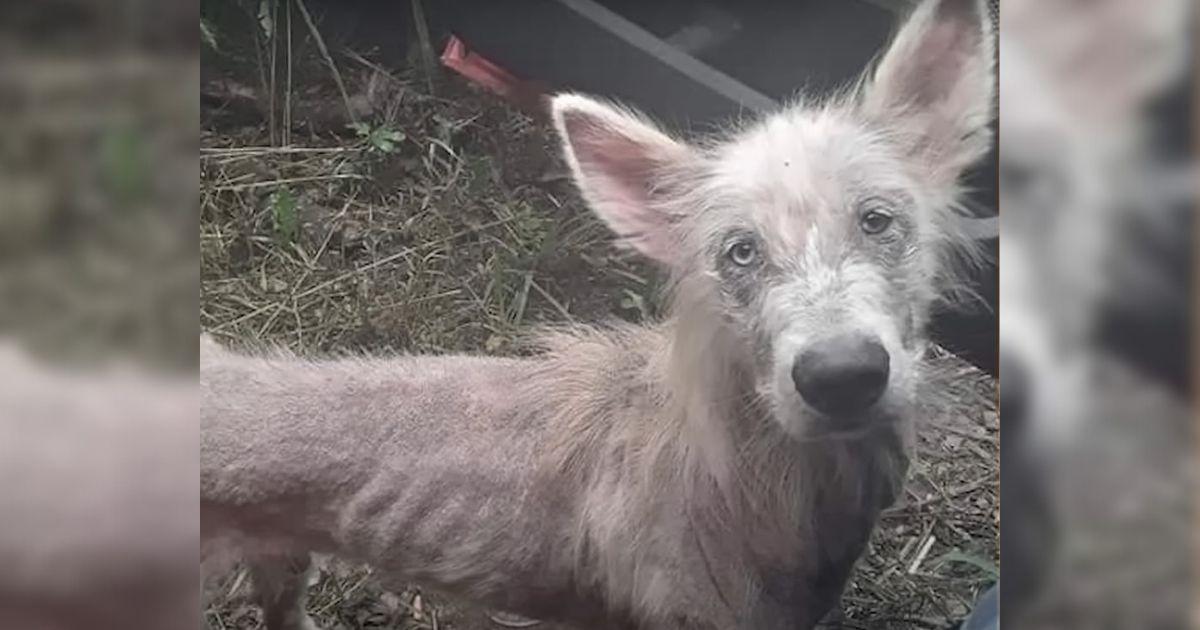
422 466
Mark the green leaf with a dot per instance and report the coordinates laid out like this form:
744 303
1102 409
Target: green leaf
124 163
283 211
380 139
635 302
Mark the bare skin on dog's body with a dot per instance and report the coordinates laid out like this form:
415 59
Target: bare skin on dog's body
723 469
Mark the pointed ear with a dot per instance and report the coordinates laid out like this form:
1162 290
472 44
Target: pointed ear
622 164
935 86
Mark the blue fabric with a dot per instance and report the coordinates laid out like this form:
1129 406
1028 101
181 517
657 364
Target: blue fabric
986 615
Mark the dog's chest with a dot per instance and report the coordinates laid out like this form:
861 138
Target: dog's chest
800 587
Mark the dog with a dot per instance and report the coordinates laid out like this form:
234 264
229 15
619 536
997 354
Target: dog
723 468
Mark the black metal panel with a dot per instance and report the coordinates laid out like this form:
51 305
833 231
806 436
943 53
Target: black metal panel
811 46
583 46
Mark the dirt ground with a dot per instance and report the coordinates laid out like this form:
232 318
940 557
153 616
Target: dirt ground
414 213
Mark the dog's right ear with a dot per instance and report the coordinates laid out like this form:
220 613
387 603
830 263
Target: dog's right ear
621 163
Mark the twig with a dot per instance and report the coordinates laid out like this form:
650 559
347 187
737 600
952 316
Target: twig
277 182
553 302
206 152
949 494
370 65
509 620
424 43
274 35
337 76
941 426
915 621
522 300
908 547
916 564
258 55
286 132
237 583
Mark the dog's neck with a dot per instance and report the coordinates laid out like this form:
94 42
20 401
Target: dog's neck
777 487
794 513
649 416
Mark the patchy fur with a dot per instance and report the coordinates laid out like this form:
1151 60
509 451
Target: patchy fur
664 476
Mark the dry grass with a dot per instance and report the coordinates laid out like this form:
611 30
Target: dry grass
934 552
97 218
444 224
440 243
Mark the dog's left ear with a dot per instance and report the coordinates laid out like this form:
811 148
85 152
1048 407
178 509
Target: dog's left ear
935 85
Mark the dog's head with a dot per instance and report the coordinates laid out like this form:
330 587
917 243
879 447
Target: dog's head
807 248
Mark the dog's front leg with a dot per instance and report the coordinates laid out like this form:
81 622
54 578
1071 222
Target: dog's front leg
281 584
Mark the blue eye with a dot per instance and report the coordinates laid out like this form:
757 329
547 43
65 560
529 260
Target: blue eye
875 221
743 252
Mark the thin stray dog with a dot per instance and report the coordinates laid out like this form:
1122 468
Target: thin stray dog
722 469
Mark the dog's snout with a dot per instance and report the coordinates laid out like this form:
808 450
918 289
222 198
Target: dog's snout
842 375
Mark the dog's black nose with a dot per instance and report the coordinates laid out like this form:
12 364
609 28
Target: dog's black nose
842 375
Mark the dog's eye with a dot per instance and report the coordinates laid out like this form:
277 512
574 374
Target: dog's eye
743 253
875 221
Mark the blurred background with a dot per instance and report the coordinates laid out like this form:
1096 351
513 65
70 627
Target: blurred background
1097 193
99 277
100 272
